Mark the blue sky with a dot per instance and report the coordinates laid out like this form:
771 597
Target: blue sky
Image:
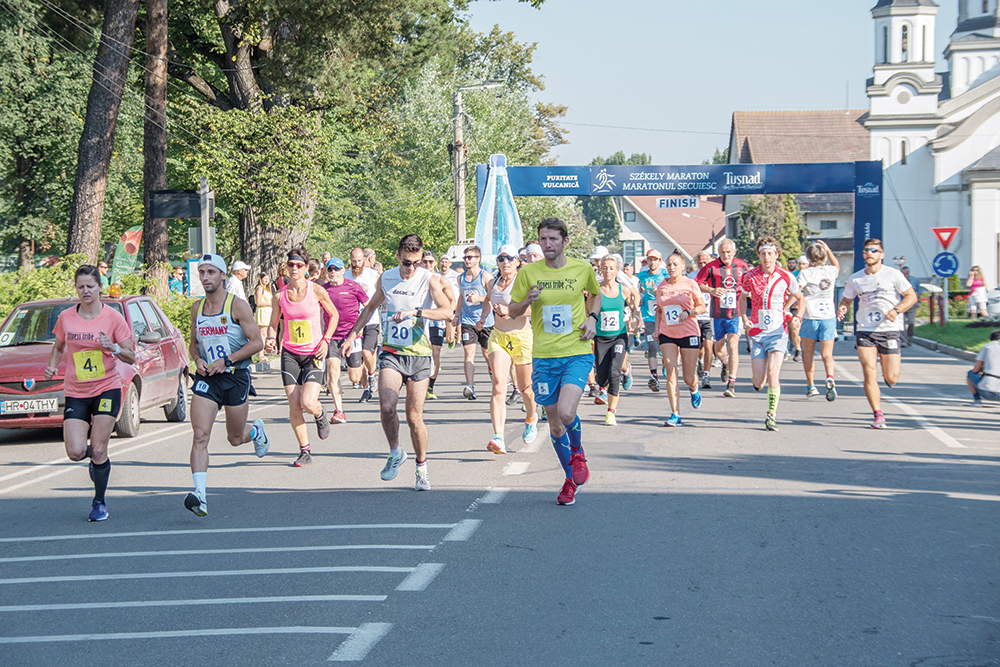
686 66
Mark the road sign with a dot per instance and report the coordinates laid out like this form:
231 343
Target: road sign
945 235
945 264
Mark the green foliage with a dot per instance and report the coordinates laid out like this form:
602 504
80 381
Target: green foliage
956 334
41 283
720 157
770 215
599 211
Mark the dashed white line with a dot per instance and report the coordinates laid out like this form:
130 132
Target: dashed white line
463 530
172 634
421 577
493 496
215 573
216 552
516 467
361 641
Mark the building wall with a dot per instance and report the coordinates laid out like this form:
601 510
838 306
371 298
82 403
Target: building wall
984 239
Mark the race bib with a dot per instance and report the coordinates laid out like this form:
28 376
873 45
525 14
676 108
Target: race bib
769 320
610 320
672 314
824 308
706 299
300 332
356 345
728 300
89 364
217 348
872 317
694 341
557 319
400 333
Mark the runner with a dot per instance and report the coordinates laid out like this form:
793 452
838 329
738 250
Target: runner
678 302
509 346
820 323
436 329
649 279
224 338
554 292
720 278
451 276
304 346
94 335
884 295
408 290
704 323
476 322
795 325
611 340
772 291
371 338
349 298
263 296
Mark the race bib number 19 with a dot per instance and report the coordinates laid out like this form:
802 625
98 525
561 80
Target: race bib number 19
89 364
557 319
728 300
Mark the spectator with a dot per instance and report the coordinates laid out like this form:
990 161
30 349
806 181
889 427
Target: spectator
102 268
235 283
282 278
910 316
977 296
984 378
177 280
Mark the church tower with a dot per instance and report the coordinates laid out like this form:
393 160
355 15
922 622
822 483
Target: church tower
905 82
974 52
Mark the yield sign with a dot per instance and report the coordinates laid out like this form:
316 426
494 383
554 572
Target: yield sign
945 235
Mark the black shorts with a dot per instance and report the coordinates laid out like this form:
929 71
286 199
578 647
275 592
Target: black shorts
707 330
301 368
108 404
887 342
224 388
470 336
353 359
371 337
685 343
411 369
436 335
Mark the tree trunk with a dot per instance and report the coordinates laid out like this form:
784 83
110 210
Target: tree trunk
154 144
25 253
264 247
25 246
97 140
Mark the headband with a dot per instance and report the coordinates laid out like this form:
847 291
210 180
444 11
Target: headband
297 258
767 246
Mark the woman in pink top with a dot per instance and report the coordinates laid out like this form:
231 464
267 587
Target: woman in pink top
977 297
91 335
678 302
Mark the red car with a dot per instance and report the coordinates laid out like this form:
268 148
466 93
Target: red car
157 378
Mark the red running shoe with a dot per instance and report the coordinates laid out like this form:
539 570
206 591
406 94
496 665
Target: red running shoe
568 494
339 417
581 473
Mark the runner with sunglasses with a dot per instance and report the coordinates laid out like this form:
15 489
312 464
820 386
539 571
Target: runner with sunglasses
303 348
349 298
476 322
436 329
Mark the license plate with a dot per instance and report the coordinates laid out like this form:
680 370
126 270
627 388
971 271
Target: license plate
29 405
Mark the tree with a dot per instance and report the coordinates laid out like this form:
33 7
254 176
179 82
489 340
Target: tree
599 211
154 235
770 215
720 157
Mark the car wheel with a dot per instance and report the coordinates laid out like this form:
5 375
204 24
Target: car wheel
128 422
177 411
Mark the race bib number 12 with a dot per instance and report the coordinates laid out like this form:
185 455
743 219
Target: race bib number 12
609 320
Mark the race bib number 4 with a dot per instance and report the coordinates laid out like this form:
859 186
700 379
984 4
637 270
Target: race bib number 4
89 364
769 320
728 300
557 319
672 314
300 332
610 320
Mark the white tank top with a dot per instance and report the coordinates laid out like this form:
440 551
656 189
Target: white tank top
502 297
406 338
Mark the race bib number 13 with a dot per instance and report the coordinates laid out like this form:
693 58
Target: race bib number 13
672 314
89 364
557 319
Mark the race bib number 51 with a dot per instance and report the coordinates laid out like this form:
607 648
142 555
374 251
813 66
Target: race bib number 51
557 319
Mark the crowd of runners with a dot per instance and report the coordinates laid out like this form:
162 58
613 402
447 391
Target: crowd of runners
549 327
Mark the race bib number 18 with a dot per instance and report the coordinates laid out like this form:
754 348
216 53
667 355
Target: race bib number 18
557 319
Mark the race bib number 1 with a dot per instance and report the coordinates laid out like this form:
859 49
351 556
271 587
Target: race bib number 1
557 319
300 332
89 364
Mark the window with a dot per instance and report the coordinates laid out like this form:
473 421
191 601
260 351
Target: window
885 45
827 224
986 6
153 319
138 321
629 216
905 43
902 152
631 250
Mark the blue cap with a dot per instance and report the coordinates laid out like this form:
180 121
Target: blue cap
335 262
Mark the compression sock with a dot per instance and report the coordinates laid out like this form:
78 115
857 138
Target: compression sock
200 480
102 471
561 445
575 434
431 384
773 394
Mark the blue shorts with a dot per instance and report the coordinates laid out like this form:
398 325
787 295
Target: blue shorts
763 344
819 329
549 375
975 379
721 327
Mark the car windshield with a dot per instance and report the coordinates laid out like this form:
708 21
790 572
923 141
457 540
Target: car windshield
32 324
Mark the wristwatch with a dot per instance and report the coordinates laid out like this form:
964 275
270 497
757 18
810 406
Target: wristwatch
594 315
420 312
118 350
228 361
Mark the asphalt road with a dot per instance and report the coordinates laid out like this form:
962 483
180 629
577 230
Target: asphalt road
716 543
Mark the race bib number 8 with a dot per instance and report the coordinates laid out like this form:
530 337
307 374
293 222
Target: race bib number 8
769 320
400 333
300 332
610 320
557 319
672 314
728 300
89 364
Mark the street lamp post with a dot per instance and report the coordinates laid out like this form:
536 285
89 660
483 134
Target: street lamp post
459 152
711 240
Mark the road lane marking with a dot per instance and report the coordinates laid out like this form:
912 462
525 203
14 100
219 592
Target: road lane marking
516 467
493 496
463 530
220 531
214 573
924 423
361 641
216 552
193 603
173 634
533 447
421 577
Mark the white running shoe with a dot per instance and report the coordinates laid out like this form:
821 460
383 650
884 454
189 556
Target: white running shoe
392 465
260 441
422 484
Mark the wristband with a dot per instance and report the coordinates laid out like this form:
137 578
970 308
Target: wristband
594 315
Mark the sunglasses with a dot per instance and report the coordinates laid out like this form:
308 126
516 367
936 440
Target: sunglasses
505 258
871 251
429 262
468 257
295 265
407 263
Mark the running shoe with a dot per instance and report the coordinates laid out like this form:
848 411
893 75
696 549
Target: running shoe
581 473
976 403
305 458
451 345
366 396
769 423
568 494
611 419
422 483
373 383
654 384
99 511
339 417
514 397
730 391
196 504
323 425
716 363
260 441
755 387
797 355
392 464
469 392
355 385
496 445
695 399
675 420
601 398
879 421
812 391
706 380
831 390
431 396
592 393
530 432
627 377
725 374
545 416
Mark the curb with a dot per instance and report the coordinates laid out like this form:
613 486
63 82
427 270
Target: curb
945 349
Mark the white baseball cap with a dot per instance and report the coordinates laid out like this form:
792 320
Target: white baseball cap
600 252
237 265
213 260
509 250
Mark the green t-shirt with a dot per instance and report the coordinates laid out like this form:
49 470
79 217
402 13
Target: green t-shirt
560 309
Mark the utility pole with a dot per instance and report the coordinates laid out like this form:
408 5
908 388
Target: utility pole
459 174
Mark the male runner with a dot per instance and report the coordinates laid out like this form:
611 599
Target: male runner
772 291
348 298
884 295
451 276
224 337
408 290
372 336
720 278
649 280
704 323
477 324
436 328
561 355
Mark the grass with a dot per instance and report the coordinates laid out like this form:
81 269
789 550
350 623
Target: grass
956 334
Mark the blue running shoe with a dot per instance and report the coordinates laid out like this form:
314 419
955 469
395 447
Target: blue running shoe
695 399
530 432
627 378
98 512
675 420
